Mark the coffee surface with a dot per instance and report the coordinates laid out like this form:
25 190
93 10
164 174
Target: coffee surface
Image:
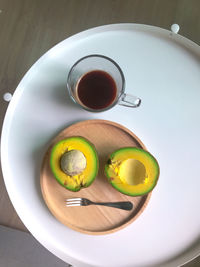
96 90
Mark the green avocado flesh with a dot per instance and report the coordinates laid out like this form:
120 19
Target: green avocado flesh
74 163
132 171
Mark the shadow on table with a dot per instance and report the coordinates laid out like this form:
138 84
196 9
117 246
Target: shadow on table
193 250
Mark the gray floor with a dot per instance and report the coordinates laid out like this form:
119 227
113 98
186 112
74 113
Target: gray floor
20 249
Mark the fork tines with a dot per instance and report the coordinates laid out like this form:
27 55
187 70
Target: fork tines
70 202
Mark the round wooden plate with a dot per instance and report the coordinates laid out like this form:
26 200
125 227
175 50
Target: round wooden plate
106 136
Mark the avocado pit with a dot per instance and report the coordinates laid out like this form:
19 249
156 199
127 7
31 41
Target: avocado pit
73 162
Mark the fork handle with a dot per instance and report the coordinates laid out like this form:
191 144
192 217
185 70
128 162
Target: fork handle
124 205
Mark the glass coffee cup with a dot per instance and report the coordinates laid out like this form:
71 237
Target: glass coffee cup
96 83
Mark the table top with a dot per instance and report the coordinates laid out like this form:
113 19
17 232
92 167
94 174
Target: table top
153 55
50 32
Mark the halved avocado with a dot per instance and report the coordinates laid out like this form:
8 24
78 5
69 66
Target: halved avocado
132 171
74 163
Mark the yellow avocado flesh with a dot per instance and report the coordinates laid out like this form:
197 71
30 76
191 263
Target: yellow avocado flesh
132 171
81 179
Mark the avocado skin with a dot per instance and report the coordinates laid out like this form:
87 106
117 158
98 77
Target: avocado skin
61 177
127 189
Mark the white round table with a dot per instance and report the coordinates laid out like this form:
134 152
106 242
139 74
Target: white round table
163 69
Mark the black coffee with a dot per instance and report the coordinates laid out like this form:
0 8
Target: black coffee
97 90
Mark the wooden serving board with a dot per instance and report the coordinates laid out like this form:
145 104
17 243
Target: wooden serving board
107 137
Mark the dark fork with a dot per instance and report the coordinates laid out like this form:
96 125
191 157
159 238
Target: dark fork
72 202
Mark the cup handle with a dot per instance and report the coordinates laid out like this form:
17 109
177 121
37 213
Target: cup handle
129 101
